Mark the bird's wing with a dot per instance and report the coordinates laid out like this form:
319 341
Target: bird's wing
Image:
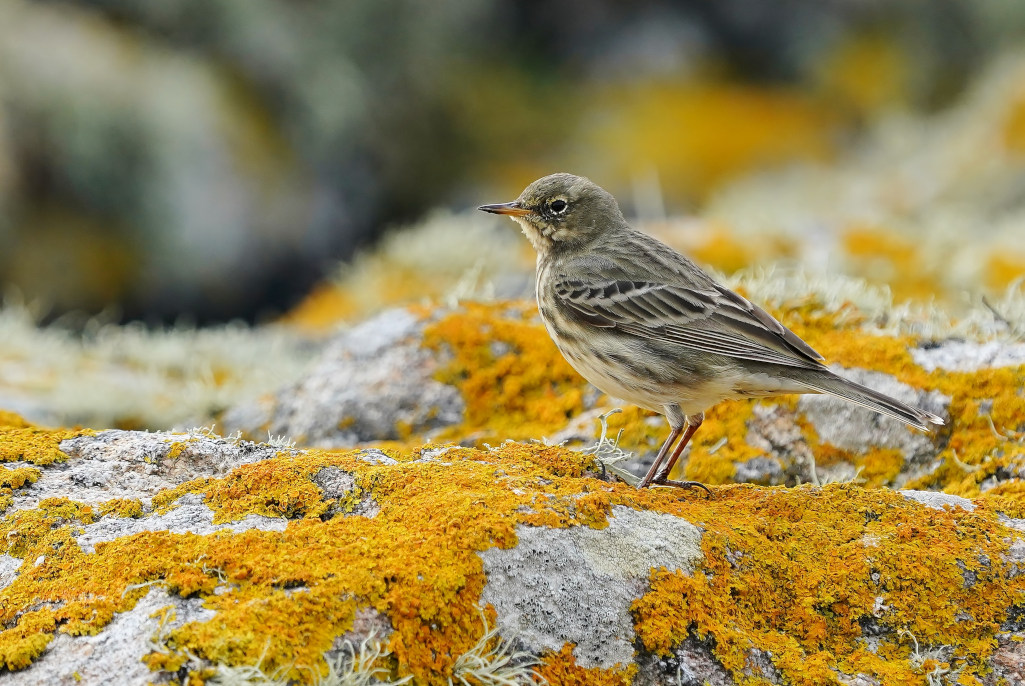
713 319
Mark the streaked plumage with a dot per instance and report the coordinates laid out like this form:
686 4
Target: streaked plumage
643 323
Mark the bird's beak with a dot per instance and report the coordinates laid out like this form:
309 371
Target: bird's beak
513 209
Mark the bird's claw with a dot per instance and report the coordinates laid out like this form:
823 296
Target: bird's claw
682 484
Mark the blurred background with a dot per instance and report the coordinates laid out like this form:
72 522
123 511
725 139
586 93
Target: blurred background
212 160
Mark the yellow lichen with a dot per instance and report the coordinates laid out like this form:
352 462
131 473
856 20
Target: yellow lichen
285 597
30 443
10 420
515 382
883 256
1004 268
16 478
499 354
562 668
797 573
121 507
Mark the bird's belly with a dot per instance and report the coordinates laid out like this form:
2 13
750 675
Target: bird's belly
622 367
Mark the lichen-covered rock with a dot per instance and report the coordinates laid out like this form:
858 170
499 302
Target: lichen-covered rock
479 374
372 382
292 564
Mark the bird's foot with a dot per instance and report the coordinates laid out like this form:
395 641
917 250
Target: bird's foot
662 481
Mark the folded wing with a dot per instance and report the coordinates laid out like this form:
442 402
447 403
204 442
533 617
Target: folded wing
713 319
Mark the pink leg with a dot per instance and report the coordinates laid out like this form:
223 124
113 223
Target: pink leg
693 423
674 433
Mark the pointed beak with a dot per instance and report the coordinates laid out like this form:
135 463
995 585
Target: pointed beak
513 209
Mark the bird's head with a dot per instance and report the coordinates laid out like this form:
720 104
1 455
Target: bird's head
560 211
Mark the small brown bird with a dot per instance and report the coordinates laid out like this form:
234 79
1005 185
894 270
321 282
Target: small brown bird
643 323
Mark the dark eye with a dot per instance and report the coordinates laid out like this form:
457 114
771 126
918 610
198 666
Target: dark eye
558 206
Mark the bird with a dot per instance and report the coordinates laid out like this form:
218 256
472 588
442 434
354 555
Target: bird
645 324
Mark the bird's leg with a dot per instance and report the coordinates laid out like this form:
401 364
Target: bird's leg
674 433
693 422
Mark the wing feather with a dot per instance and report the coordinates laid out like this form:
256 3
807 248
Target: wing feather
714 320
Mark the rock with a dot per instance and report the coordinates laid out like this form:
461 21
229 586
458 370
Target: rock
264 563
135 465
479 374
372 382
575 585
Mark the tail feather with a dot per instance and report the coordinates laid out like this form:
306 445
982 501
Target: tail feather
874 400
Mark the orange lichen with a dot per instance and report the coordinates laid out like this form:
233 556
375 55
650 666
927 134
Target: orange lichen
234 496
797 573
293 593
883 256
515 382
16 478
30 443
500 354
729 252
865 73
10 420
1014 128
789 572
121 507
698 135
562 668
325 306
1003 269
23 643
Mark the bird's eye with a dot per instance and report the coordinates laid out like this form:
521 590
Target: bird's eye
558 206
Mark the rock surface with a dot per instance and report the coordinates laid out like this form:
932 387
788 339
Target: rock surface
370 381
481 374
284 563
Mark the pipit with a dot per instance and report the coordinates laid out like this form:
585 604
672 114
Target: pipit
645 324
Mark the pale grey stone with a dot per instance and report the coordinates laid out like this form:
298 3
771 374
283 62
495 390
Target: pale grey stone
969 356
852 427
9 566
939 501
190 516
576 584
135 464
112 656
368 380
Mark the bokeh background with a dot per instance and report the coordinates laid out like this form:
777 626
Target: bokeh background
207 160
194 194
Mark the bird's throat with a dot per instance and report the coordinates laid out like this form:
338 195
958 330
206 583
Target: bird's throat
542 244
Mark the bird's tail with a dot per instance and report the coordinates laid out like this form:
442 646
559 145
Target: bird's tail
873 400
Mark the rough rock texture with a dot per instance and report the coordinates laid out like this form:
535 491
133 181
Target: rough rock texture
852 427
112 656
274 562
575 585
370 381
190 516
135 464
